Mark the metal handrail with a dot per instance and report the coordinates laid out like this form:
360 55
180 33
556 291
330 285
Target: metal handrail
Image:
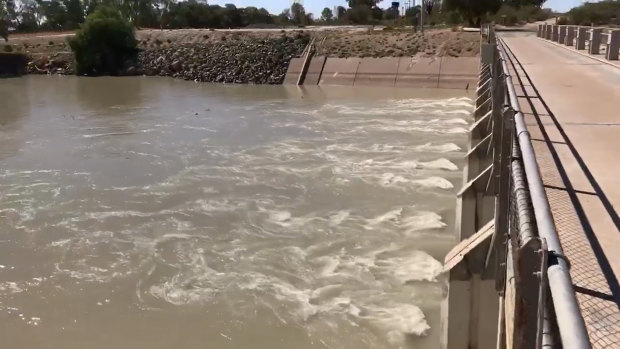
570 323
539 223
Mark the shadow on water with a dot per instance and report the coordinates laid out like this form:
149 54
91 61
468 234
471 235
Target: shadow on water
15 106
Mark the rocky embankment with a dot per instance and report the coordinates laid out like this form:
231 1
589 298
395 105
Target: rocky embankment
240 61
259 57
234 59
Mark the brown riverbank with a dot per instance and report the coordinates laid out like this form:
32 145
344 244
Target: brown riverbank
248 56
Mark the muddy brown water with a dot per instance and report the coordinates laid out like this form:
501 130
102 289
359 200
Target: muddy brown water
158 213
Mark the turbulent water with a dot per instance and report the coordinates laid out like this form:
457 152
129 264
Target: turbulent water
157 213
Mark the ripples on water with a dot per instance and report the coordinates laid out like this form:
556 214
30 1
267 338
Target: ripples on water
316 222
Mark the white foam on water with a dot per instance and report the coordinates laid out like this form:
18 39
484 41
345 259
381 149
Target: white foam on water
440 164
422 221
397 320
439 148
392 215
434 182
414 266
338 217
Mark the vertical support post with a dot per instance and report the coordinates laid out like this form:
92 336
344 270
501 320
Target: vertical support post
562 37
539 33
595 41
548 32
581 38
613 45
555 33
570 36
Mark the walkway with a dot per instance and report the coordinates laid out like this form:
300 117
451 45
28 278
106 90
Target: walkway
572 106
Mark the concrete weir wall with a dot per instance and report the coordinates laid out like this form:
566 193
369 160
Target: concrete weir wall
421 72
12 64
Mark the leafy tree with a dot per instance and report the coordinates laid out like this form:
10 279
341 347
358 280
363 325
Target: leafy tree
4 20
360 14
298 13
430 4
327 15
341 12
369 3
596 13
105 44
285 16
474 11
75 13
519 3
55 14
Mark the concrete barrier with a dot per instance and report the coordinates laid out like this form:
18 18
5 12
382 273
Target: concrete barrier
555 33
418 72
570 36
315 69
548 31
595 41
613 45
340 71
377 72
459 73
12 64
540 31
562 36
582 33
294 69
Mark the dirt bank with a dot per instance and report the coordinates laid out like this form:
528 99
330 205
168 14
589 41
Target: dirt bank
248 56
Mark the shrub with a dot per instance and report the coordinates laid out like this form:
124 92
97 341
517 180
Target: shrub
596 13
8 48
105 44
509 15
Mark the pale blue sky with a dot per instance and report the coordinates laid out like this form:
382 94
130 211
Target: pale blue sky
316 6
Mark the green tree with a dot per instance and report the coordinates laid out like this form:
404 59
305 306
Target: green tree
105 45
4 20
519 3
327 15
369 3
298 14
360 14
474 11
340 12
75 13
55 14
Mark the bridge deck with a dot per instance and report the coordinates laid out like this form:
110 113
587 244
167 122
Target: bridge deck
572 107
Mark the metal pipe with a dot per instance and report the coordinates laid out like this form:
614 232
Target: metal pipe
572 328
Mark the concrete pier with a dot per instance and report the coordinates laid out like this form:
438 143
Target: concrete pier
595 41
582 36
570 36
613 45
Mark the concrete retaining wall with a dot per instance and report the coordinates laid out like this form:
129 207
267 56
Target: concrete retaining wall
12 64
315 69
416 72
